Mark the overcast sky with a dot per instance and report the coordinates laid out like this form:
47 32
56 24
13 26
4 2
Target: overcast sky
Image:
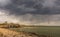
31 12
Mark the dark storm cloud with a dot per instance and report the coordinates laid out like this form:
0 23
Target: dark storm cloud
32 11
20 7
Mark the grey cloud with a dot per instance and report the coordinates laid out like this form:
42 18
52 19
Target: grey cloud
4 2
33 11
34 7
22 7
